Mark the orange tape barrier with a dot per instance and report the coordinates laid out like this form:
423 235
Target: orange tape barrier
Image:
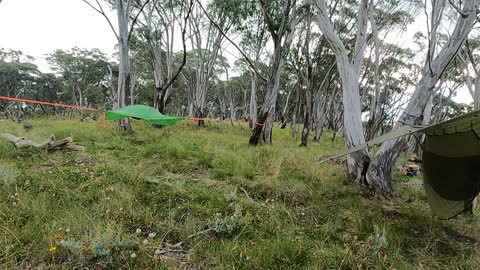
104 117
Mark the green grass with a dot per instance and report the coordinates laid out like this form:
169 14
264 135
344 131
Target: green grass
268 207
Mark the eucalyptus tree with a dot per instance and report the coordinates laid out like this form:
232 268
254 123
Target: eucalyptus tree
377 174
20 78
281 19
349 72
124 10
208 29
158 24
387 18
381 168
252 29
470 59
16 79
85 74
395 72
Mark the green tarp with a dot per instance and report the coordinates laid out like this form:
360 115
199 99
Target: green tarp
143 112
451 162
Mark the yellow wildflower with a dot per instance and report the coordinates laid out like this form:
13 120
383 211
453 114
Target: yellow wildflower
52 249
88 249
248 214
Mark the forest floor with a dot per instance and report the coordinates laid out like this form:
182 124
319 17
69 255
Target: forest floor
188 198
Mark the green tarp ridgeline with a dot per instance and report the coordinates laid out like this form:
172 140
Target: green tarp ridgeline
143 112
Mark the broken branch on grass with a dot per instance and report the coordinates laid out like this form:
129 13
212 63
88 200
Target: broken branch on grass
49 144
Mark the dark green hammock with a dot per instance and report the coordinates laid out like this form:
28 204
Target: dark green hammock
451 162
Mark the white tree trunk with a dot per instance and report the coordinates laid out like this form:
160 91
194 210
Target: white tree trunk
253 99
382 166
349 75
123 10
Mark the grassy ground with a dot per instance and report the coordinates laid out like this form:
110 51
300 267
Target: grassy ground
186 198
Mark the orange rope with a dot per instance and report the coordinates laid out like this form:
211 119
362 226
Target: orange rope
49 103
104 117
198 119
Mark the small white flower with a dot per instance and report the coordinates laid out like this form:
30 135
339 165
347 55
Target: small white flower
138 231
14 203
62 242
157 251
121 209
151 235
67 230
133 255
16 194
145 241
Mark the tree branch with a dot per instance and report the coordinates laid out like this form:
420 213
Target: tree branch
231 41
470 56
101 12
135 20
184 60
267 18
361 36
458 9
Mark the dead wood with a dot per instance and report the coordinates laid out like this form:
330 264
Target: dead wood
50 144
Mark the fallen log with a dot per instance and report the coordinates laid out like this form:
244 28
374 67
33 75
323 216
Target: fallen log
49 144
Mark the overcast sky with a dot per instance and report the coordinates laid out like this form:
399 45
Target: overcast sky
37 27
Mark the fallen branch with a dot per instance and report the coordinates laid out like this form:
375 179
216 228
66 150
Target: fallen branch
49 144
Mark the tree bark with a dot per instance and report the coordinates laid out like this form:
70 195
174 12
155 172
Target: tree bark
375 109
123 10
382 166
307 108
285 34
358 162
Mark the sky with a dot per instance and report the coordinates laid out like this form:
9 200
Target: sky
38 27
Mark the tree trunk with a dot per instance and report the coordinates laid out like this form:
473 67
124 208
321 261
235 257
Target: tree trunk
320 104
476 97
123 76
253 99
267 129
375 109
358 162
382 166
257 129
285 33
307 108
